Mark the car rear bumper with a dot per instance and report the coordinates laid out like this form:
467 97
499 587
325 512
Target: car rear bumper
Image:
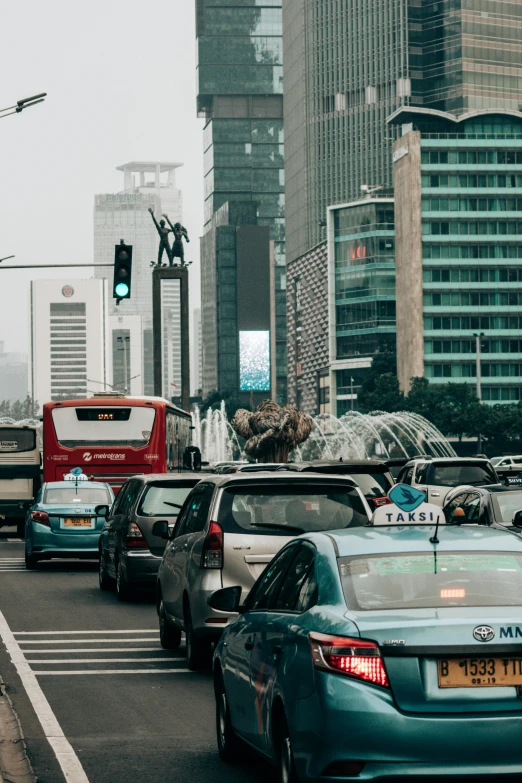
350 721
44 541
140 567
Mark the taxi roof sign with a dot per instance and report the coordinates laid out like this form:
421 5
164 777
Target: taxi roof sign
408 507
76 471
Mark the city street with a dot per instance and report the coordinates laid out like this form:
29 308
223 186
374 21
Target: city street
131 710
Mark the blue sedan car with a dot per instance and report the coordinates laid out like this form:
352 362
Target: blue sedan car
377 652
62 521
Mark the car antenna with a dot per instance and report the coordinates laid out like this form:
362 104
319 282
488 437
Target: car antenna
435 539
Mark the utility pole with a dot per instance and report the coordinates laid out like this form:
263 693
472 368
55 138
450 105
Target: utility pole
124 341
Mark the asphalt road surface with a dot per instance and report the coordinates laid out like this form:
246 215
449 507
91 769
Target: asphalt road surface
130 710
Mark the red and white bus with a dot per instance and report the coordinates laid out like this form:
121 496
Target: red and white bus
112 437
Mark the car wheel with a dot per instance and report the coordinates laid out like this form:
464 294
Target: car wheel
286 772
31 561
229 744
199 654
106 583
123 590
20 528
170 635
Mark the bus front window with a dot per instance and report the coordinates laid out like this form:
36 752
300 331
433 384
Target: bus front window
97 426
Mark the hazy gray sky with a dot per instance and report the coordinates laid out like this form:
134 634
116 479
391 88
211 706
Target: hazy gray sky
120 78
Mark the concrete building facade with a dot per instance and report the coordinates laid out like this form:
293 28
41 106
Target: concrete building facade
69 333
458 213
307 325
125 215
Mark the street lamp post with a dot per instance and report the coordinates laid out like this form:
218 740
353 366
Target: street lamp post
24 103
478 354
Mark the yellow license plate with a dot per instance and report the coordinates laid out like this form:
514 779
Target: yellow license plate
480 672
77 522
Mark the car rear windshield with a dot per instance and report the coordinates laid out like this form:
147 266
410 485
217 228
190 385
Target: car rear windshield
272 510
461 473
432 580
373 485
505 505
164 500
80 494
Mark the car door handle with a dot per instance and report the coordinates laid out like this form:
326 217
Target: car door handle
435 494
249 644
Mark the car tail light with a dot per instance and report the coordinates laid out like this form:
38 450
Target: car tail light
212 556
381 501
135 539
357 658
40 516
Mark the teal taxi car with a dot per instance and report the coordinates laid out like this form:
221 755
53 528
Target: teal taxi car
378 652
62 521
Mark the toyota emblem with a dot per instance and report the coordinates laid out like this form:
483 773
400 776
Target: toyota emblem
484 633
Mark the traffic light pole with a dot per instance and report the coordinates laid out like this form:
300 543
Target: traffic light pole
160 274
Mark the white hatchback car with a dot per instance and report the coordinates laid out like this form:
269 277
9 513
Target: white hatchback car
437 476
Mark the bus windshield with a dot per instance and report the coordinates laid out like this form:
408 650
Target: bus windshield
97 426
15 439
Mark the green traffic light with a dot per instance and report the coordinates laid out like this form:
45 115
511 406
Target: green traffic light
122 289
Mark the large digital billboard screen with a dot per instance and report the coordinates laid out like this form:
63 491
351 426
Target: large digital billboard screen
254 361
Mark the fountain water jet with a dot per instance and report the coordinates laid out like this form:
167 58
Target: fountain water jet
353 436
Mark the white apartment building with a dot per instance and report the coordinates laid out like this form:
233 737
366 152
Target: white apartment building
69 328
125 215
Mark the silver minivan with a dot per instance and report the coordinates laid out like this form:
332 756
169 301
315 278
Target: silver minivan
229 529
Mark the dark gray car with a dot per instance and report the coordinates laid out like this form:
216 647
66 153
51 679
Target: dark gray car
130 553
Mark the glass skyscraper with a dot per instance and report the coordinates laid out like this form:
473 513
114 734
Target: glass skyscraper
240 86
349 65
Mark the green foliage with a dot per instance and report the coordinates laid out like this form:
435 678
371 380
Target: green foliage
380 391
20 409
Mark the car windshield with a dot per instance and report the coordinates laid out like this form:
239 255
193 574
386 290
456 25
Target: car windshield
163 499
434 580
79 494
505 504
373 485
16 439
461 473
304 508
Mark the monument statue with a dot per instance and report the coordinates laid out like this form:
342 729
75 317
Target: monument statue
180 232
272 431
164 245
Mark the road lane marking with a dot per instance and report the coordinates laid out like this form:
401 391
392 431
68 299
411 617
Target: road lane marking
83 641
116 671
96 650
77 633
67 759
104 660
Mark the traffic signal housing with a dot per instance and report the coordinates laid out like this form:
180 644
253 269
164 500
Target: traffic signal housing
121 287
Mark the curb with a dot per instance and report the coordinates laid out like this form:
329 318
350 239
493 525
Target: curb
15 766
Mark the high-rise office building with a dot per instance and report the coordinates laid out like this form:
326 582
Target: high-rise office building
13 374
125 215
240 86
349 65
69 335
458 216
196 356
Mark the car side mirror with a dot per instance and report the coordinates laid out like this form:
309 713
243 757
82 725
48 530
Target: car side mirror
102 511
225 600
517 519
161 529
